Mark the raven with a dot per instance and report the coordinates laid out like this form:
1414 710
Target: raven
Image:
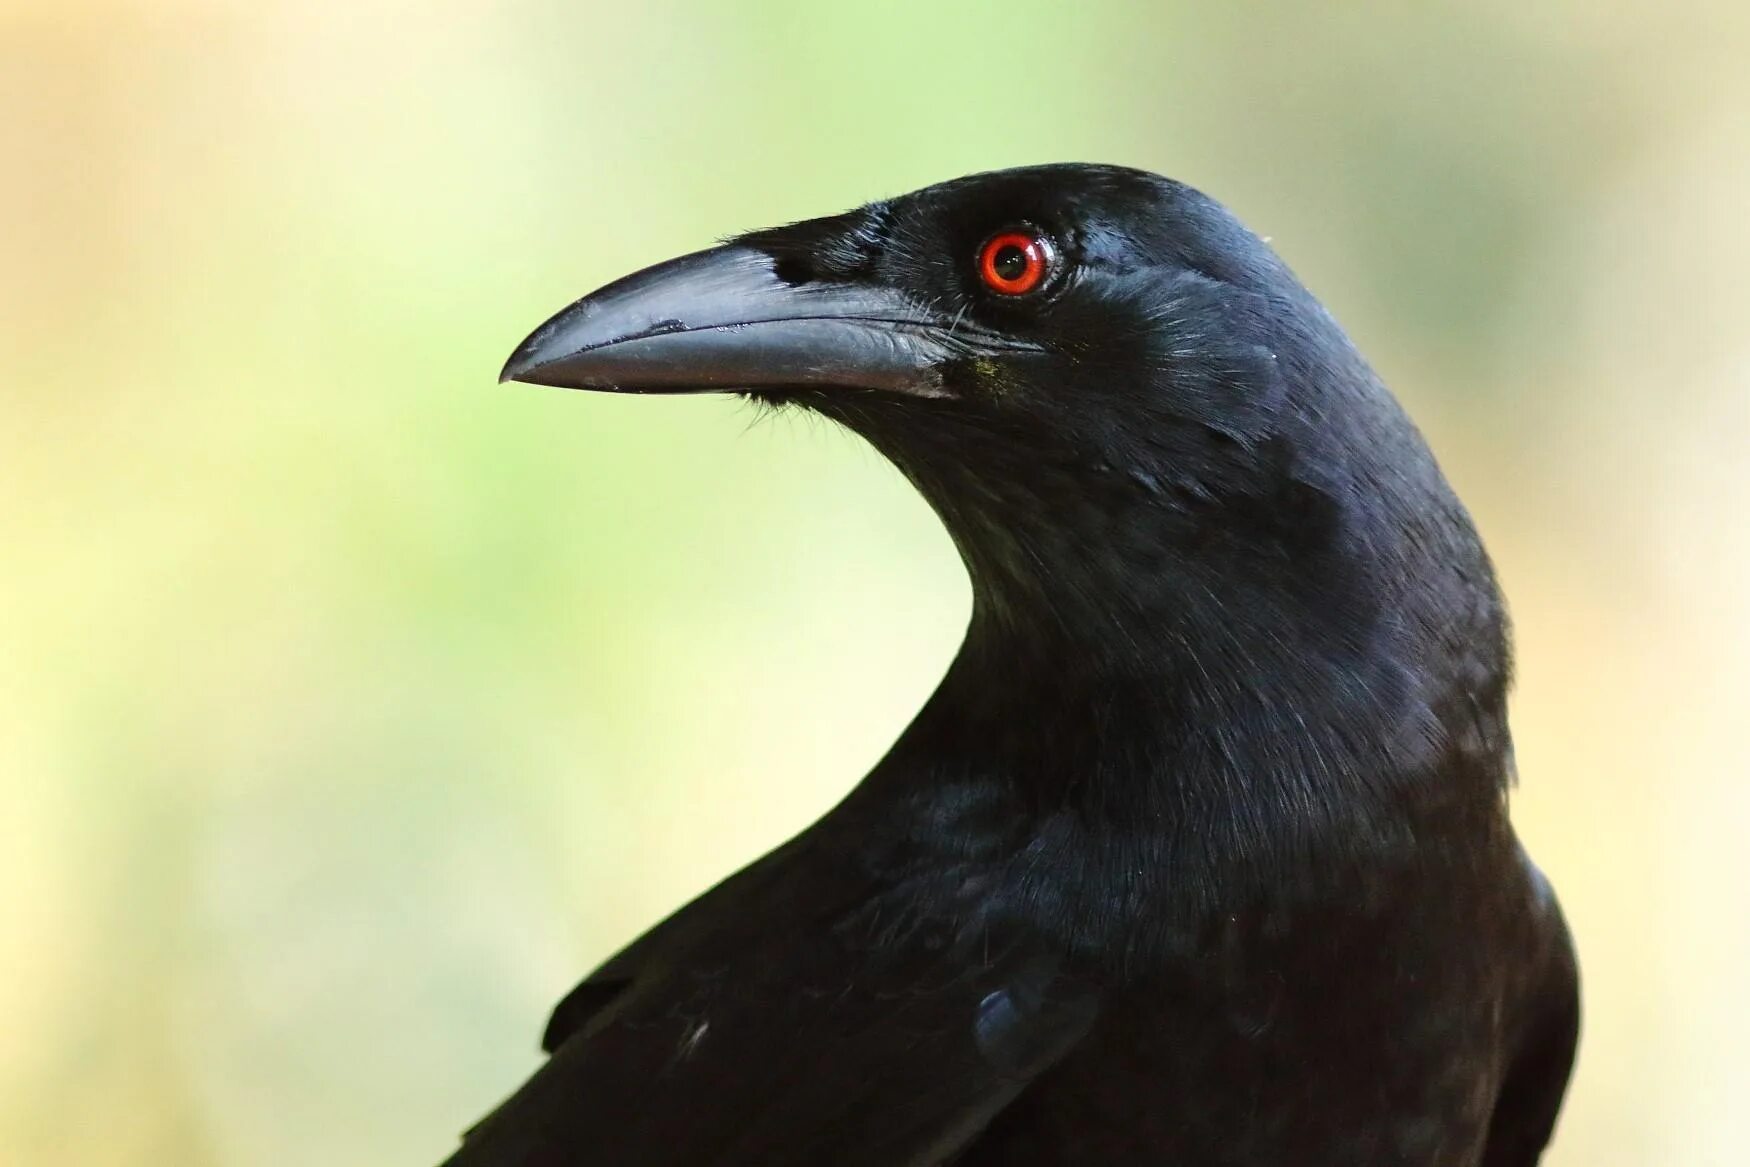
1199 854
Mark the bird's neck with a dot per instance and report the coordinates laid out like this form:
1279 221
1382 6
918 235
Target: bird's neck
1235 722
1234 667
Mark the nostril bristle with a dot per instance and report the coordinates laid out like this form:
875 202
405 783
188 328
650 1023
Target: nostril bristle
793 270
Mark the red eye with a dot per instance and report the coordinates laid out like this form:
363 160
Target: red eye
1014 262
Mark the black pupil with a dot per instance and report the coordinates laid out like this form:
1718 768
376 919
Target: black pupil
1010 263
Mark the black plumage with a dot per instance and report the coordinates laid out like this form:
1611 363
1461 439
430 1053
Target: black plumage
1199 854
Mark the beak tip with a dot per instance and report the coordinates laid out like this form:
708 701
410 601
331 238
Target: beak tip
521 363
543 350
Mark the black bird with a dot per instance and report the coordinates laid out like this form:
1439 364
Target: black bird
1199 854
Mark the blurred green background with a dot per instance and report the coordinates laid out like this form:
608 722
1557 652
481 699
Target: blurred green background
352 705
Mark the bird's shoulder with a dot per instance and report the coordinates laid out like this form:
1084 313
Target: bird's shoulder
709 921
930 879
775 1018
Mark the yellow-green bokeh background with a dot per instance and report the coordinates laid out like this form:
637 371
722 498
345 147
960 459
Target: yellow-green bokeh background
352 705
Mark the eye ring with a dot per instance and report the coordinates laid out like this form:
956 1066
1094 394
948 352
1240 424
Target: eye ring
1015 261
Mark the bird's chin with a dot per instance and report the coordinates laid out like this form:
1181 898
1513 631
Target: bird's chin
813 397
772 398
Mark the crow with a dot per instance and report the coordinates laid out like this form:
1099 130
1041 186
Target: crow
1199 854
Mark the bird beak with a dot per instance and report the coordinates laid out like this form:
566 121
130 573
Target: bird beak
723 320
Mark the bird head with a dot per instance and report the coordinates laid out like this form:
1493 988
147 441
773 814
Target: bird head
1148 440
1085 316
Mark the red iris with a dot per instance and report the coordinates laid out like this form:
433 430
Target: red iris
1014 262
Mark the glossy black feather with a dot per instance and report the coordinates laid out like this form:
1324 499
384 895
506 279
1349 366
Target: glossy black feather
1199 853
